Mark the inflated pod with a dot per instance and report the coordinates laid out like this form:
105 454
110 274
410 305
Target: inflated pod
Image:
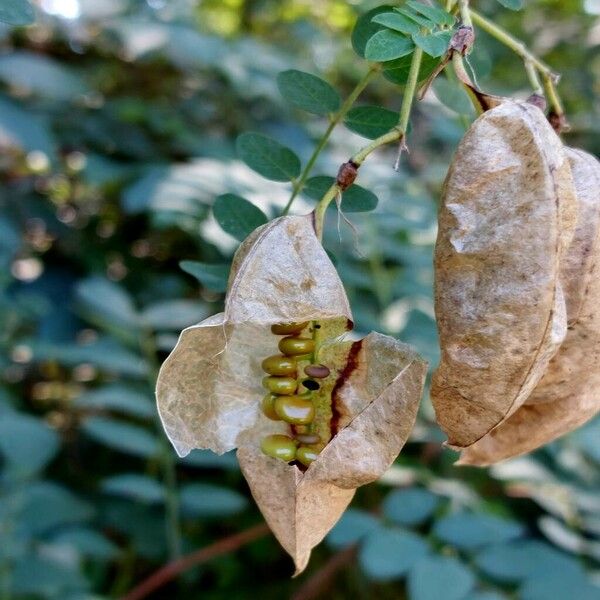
568 394
507 217
209 389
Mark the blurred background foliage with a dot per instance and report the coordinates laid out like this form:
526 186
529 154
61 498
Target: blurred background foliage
118 121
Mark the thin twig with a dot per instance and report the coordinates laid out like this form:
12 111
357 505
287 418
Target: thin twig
335 120
171 570
395 134
321 581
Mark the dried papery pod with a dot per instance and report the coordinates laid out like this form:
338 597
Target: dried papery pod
209 389
567 396
507 217
376 402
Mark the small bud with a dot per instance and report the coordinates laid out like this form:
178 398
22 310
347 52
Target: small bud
463 39
537 100
346 175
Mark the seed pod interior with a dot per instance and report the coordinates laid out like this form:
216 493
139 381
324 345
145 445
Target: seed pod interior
507 216
210 394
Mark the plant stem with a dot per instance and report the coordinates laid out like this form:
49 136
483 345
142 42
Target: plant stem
335 120
549 77
173 569
395 134
465 13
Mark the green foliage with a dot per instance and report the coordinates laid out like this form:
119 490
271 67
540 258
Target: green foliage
370 121
387 45
397 70
365 28
437 577
396 22
391 553
512 4
268 157
435 44
308 92
410 506
237 216
212 276
17 12
354 199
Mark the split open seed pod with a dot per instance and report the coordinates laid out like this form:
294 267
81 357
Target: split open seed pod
209 389
507 217
567 396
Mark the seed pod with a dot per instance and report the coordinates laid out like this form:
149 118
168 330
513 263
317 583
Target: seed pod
268 407
295 346
567 396
288 328
209 391
317 371
279 365
295 410
306 455
507 217
280 385
279 446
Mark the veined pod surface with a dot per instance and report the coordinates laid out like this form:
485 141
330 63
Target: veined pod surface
209 389
568 394
507 217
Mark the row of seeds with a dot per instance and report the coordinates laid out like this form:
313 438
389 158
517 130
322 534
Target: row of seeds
289 396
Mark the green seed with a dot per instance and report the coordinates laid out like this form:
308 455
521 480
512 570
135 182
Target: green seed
268 407
317 371
295 410
279 446
300 429
279 365
288 328
294 346
306 455
307 438
280 385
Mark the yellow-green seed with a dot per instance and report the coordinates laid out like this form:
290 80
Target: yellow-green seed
306 455
280 385
295 409
295 346
288 328
280 365
279 446
307 438
268 407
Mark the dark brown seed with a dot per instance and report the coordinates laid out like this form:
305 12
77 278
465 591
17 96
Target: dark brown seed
317 371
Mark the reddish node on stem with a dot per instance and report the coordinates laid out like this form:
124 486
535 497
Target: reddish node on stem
558 121
537 100
463 39
346 175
